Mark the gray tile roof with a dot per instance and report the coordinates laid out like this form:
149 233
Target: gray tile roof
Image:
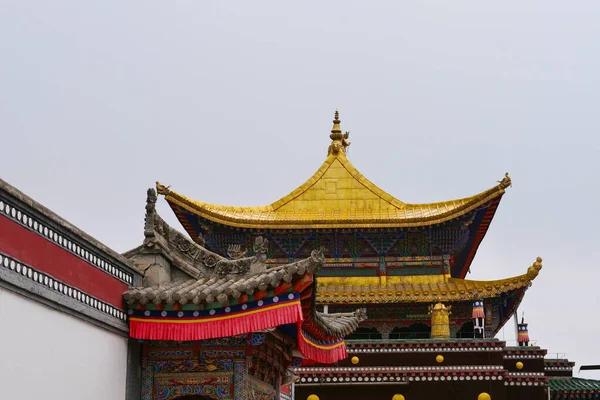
206 277
208 289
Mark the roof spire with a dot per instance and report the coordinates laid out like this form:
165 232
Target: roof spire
336 130
339 141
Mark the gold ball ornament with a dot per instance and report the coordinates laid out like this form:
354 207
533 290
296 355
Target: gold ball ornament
519 365
354 360
398 397
312 397
484 396
439 358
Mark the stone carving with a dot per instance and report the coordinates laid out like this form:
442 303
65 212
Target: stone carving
204 263
235 252
150 212
361 314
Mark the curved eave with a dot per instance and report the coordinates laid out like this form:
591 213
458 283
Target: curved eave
267 218
451 290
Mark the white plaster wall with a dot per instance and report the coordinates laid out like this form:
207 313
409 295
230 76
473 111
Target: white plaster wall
45 354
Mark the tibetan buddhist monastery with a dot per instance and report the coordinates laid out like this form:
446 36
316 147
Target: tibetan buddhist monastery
234 311
429 330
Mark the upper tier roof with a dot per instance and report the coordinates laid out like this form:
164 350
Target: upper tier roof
336 196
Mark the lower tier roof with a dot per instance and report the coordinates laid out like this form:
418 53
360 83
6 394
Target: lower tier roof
202 295
332 290
575 385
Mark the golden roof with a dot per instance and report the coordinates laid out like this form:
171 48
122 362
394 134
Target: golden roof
417 289
336 196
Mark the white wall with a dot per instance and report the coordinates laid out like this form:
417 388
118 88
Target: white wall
45 354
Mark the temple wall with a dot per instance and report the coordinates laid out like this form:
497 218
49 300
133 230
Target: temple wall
46 353
63 327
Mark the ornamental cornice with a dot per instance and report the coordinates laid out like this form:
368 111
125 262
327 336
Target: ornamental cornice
427 349
387 375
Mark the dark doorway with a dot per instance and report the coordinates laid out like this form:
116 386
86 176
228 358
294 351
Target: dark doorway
365 334
414 331
466 331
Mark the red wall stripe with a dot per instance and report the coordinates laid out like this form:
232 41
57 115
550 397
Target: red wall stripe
45 256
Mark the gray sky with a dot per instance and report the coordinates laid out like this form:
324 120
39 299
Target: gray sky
232 102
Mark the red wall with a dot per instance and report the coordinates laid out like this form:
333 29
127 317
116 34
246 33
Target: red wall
45 256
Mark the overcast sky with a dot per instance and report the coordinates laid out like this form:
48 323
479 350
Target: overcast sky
231 102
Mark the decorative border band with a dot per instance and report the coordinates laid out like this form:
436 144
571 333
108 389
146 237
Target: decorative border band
523 356
558 368
378 377
17 267
360 370
424 350
31 223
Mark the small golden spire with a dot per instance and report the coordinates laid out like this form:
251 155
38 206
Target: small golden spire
336 131
339 141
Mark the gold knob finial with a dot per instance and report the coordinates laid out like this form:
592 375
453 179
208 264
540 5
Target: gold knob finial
336 126
339 141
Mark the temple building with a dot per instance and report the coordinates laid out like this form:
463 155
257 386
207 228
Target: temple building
391 257
225 327
336 290
429 330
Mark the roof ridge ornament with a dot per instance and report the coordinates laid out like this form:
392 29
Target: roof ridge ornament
505 182
534 270
162 189
339 141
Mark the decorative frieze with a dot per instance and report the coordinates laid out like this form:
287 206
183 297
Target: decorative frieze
41 278
395 375
359 370
558 368
424 347
523 356
18 215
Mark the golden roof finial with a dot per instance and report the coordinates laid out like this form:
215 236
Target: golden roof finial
339 141
336 131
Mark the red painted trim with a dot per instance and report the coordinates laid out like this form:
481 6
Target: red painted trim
283 288
260 295
45 256
303 283
208 328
